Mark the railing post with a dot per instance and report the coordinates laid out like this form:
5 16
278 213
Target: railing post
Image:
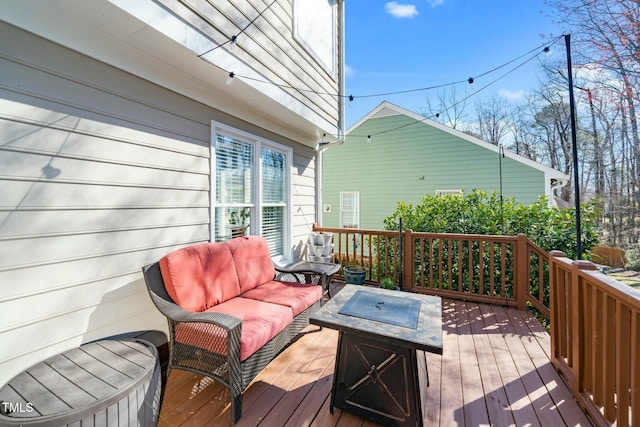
555 309
408 260
578 319
522 272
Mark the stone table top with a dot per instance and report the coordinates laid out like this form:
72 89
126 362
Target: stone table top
426 335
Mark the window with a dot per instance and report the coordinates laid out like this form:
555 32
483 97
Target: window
314 27
350 209
251 189
274 203
442 193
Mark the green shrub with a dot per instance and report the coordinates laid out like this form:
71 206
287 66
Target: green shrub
633 259
482 213
387 283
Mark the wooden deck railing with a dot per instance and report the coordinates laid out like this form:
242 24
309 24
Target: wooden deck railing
594 320
595 340
502 270
376 250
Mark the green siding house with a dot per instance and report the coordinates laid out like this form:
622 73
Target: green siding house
393 154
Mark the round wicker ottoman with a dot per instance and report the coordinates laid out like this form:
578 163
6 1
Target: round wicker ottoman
103 383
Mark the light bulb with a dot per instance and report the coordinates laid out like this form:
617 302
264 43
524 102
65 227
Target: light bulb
233 42
229 81
350 100
470 83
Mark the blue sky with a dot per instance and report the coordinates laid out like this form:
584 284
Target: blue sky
409 44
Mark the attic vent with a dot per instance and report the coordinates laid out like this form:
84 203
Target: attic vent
386 111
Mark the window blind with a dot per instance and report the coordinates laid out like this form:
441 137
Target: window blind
273 180
251 183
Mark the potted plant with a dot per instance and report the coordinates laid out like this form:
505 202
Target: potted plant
354 274
388 283
238 222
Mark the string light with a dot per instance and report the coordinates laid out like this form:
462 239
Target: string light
471 81
454 104
234 39
233 42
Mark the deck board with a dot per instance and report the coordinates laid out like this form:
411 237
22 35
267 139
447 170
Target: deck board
491 380
494 370
520 406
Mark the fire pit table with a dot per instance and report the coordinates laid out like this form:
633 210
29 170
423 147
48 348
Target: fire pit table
376 373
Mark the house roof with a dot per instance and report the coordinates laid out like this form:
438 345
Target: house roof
387 108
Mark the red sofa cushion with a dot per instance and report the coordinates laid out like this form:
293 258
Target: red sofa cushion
253 261
297 296
200 276
261 321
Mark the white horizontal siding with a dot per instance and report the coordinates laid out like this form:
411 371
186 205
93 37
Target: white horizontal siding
37 251
94 185
100 174
267 45
303 199
100 220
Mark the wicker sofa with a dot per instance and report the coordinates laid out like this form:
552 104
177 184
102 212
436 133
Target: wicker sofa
229 310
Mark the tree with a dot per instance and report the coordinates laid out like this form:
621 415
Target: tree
606 37
492 119
525 142
449 108
606 75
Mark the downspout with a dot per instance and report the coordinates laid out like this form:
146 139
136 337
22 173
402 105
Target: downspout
341 113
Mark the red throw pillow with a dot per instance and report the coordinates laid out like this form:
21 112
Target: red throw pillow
253 261
200 276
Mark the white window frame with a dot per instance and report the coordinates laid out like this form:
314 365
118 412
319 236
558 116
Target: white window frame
343 195
258 143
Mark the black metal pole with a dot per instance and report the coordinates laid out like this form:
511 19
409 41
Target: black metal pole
401 250
500 157
574 148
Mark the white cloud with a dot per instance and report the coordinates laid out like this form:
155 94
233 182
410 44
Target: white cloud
511 95
348 71
436 3
401 10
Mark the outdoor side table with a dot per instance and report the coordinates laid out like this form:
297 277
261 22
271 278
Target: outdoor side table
103 383
380 332
303 270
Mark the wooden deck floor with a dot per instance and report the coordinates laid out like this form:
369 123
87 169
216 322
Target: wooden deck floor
495 370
